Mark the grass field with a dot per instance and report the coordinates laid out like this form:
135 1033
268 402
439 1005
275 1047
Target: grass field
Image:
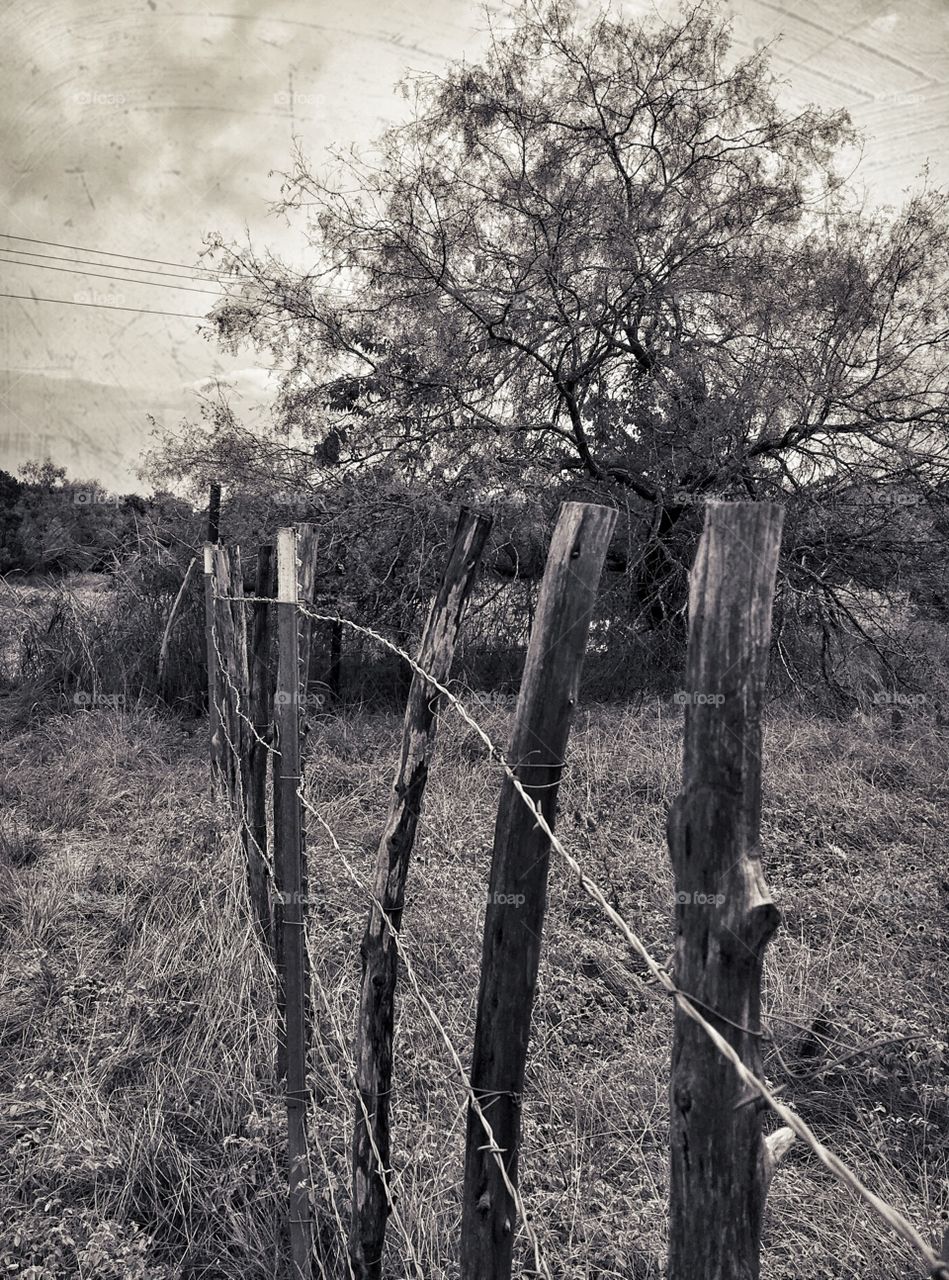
141 1135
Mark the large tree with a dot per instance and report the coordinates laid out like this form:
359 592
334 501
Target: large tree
604 259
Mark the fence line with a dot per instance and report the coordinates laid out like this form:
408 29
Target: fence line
344 1046
405 958
937 1267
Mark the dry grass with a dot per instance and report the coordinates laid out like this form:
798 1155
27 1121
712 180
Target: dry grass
140 1129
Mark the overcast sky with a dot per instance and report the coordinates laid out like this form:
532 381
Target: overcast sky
138 126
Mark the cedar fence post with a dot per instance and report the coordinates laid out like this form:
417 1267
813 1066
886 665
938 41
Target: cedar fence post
289 861
720 1164
374 1025
261 676
517 894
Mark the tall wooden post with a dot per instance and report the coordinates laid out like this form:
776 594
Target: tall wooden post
290 865
214 710
379 954
517 895
262 686
724 914
230 641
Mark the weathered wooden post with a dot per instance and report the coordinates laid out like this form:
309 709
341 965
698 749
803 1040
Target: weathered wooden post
720 1165
214 710
374 1025
262 687
290 868
517 895
306 547
214 729
230 642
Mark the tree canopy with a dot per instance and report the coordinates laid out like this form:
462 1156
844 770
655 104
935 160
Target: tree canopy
604 260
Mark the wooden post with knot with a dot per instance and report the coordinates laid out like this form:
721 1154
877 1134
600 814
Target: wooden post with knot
721 1163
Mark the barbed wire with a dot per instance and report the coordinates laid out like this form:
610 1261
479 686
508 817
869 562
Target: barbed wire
221 706
342 1040
938 1268
223 666
492 1145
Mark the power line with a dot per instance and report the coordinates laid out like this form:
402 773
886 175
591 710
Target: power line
104 253
90 262
102 306
98 275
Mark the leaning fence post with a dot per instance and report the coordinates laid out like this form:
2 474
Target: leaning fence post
261 677
291 881
374 1025
517 894
720 1165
